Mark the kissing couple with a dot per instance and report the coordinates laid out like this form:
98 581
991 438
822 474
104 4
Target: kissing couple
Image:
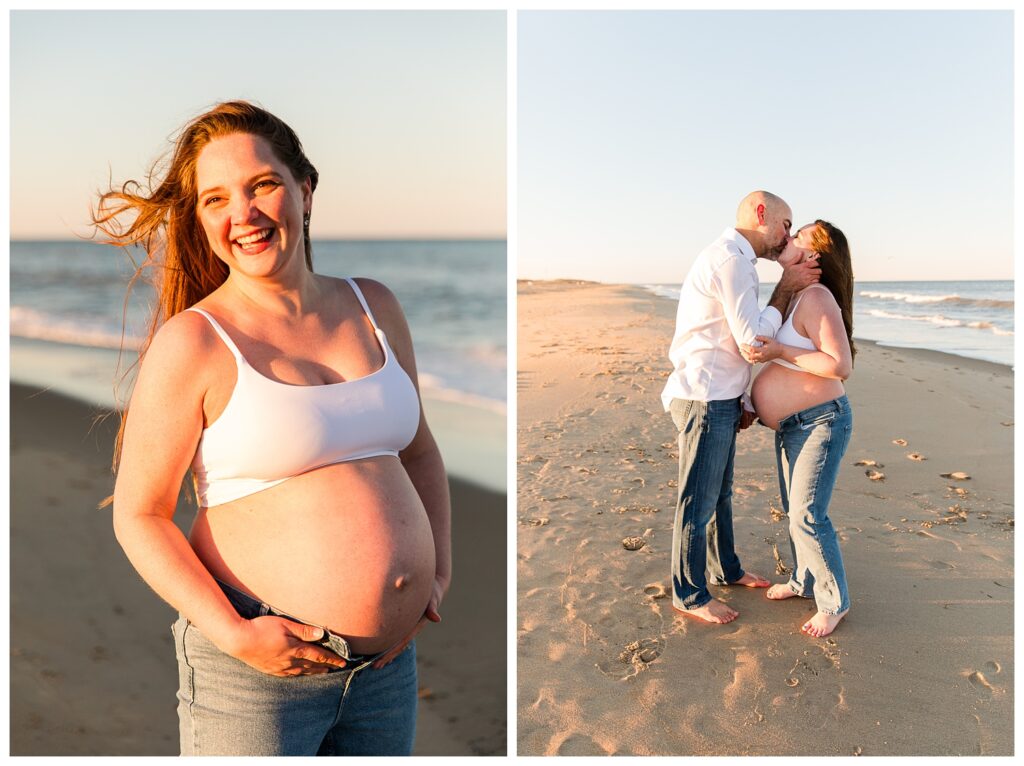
804 338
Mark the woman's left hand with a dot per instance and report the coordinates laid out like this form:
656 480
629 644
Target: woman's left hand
770 349
430 615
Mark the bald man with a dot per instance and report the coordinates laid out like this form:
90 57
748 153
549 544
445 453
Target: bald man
707 393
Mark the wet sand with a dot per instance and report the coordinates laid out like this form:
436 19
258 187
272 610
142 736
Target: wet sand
92 661
923 663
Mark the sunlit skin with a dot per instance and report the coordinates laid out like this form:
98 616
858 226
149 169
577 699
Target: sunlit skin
374 537
359 547
778 391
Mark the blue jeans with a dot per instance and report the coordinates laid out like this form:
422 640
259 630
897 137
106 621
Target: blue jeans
226 707
702 536
809 447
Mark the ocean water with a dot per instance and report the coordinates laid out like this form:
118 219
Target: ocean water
972 319
68 300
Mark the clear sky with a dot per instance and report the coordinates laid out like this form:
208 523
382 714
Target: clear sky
403 113
639 132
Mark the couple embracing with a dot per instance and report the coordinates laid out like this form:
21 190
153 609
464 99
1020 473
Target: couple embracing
804 337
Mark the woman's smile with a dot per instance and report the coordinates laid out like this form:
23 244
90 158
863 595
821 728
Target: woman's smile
257 242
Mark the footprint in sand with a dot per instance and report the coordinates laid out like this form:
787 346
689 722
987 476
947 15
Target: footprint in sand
532 459
978 680
579 744
633 543
874 475
869 462
645 650
635 509
656 590
633 659
538 521
900 442
956 476
916 456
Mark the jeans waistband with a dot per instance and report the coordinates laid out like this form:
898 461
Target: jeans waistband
840 406
250 608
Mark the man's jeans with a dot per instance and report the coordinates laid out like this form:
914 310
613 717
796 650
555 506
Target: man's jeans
809 446
702 536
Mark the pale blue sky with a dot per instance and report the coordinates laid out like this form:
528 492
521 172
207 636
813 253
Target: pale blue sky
639 132
403 113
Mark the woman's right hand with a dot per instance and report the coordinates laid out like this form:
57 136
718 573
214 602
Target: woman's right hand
280 647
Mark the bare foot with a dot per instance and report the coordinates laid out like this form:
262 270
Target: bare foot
822 624
752 580
713 611
779 592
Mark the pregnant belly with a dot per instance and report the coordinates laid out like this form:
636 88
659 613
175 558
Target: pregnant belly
347 546
778 392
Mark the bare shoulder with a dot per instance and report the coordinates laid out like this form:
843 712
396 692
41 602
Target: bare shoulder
377 293
382 302
178 347
817 299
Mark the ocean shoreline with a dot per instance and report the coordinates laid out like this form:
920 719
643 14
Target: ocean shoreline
985 348
474 432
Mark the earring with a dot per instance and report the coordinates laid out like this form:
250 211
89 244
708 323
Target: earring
305 220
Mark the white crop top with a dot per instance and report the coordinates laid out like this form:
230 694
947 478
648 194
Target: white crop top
788 336
271 431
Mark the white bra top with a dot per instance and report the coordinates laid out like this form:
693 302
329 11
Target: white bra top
271 431
788 336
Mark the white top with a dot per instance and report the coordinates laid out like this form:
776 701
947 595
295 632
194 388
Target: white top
717 311
788 336
271 431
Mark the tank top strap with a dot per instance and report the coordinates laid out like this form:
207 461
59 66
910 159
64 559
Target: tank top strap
220 331
800 297
362 301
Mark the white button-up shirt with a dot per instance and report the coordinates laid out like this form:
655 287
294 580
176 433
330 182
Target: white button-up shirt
717 311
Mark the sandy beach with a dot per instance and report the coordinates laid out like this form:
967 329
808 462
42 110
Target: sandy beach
922 664
92 661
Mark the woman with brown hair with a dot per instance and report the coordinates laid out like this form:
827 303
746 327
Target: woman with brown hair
801 396
321 544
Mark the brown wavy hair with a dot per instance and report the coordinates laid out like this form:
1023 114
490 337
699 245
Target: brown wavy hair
836 270
160 217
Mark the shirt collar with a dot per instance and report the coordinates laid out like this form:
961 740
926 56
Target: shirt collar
741 242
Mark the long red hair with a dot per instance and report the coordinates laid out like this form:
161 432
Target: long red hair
836 270
160 217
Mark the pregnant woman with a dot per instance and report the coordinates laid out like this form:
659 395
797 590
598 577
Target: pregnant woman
321 543
801 396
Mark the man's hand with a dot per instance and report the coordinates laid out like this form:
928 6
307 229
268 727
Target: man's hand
798 276
794 279
746 419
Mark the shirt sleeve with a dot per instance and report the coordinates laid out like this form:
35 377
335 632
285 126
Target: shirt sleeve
737 288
